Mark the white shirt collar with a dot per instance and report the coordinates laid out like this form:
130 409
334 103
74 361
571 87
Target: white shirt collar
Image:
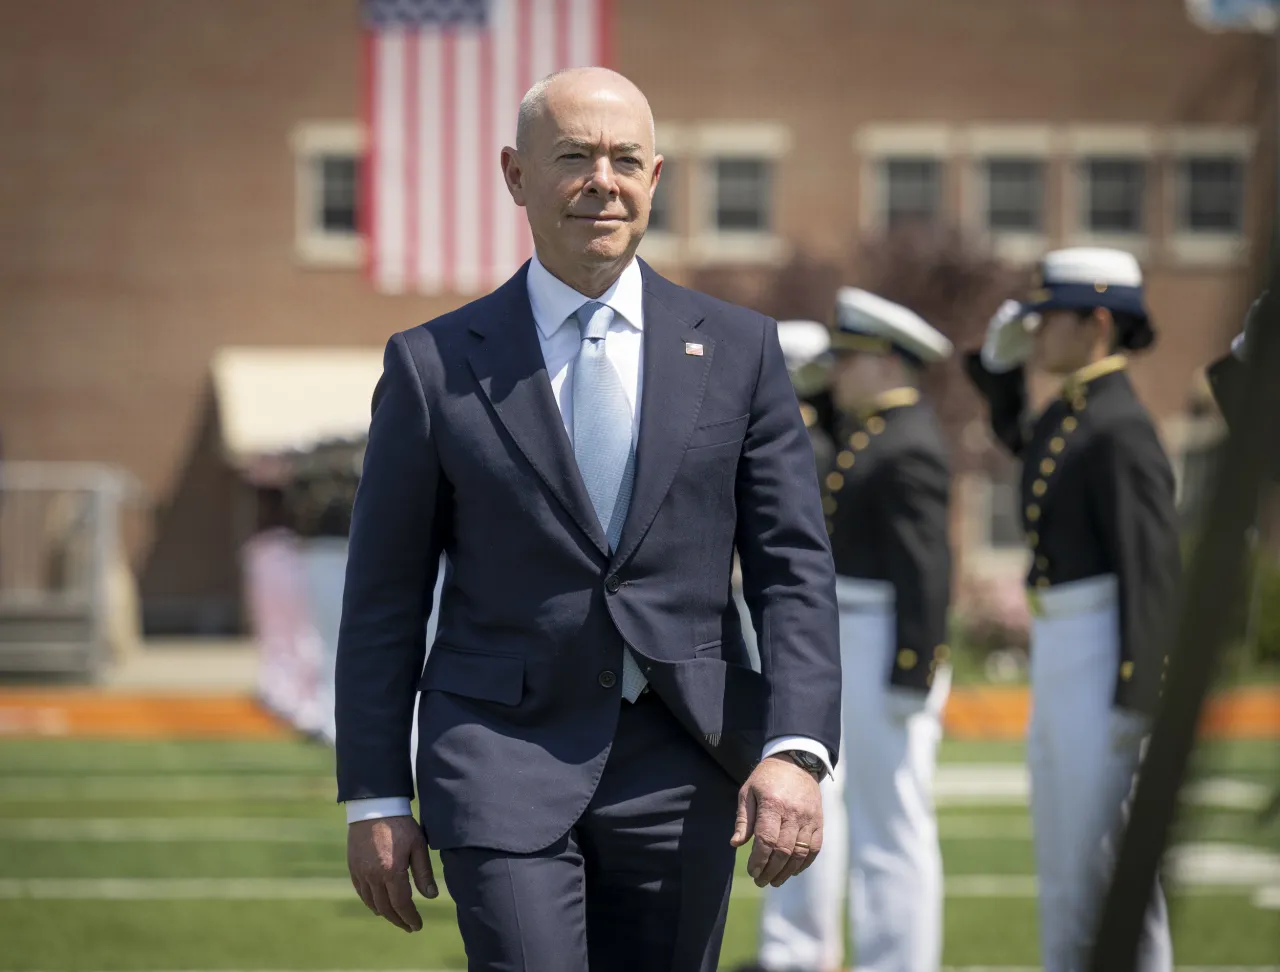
553 300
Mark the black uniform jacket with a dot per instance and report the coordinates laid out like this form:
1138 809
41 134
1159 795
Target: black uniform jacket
1097 498
885 498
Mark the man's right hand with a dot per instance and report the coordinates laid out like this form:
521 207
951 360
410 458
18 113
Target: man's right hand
380 855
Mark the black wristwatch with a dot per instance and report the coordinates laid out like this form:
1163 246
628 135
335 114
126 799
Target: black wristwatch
807 762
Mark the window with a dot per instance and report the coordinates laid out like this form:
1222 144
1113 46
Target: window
1015 195
661 214
1212 194
1113 195
336 180
732 169
743 199
1004 523
912 191
328 163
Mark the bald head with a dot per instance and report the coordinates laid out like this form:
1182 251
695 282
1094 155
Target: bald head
563 90
585 170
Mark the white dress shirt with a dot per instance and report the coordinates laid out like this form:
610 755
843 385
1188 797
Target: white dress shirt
554 305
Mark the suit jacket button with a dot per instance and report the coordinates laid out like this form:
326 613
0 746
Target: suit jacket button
607 679
612 584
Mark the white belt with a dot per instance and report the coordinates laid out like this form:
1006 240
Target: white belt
1076 597
853 594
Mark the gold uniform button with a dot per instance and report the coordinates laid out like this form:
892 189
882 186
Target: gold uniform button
1038 487
1042 583
1057 444
859 440
1047 466
1033 538
875 425
830 528
834 481
829 505
1042 563
845 460
1033 513
942 653
906 659
1126 671
1077 403
1070 424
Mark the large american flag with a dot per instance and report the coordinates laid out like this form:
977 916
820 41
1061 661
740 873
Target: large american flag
444 83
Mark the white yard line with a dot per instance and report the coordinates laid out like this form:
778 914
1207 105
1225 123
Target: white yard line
165 830
956 785
279 889
1009 784
310 830
35 789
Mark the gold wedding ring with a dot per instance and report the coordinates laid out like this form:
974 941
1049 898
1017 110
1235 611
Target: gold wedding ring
801 843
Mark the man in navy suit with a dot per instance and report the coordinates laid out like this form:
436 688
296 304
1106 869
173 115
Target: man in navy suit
588 445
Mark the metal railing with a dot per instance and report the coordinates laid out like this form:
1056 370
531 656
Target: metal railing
59 542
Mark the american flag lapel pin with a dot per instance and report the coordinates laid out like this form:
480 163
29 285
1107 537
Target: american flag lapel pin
693 349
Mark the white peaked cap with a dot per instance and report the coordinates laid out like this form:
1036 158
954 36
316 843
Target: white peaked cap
861 314
1091 265
803 342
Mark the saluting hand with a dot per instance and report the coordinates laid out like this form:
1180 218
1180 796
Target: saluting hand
380 855
781 805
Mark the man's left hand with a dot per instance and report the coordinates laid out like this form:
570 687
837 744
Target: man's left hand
781 806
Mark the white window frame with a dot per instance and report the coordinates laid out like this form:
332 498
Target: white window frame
667 247
880 142
708 143
1086 142
1207 249
976 491
986 143
314 246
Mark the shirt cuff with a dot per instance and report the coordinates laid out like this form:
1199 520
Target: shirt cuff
374 808
781 744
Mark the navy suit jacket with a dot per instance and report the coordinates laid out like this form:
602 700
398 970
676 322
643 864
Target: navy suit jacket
468 455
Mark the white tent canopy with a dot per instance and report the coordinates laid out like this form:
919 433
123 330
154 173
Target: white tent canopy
272 401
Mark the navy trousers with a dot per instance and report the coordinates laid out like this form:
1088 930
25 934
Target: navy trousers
639 884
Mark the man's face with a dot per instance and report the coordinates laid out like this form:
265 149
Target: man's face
588 173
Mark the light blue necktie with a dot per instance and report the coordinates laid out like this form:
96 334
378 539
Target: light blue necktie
603 445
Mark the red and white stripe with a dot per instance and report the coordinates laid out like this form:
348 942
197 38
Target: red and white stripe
441 105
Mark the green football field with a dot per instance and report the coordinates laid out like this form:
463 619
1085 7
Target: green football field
219 855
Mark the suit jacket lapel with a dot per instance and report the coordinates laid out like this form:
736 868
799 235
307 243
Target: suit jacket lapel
675 378
509 366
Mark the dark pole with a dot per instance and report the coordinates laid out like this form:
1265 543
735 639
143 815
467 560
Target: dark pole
1214 579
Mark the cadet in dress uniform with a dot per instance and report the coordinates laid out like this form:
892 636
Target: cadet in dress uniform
1098 510
804 348
885 496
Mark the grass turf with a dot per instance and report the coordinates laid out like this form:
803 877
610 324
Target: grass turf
76 810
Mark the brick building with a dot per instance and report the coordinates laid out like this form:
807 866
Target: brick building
179 178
